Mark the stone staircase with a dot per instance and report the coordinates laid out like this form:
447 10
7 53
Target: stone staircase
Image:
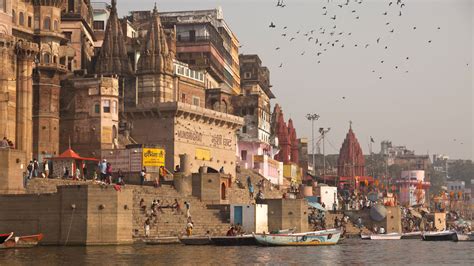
170 223
241 195
351 229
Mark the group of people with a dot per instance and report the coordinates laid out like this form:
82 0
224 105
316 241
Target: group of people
261 186
5 143
157 207
235 230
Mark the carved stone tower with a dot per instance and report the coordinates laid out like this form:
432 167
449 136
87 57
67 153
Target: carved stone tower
50 64
155 67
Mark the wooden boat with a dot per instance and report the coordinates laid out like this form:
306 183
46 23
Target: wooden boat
22 241
195 240
365 237
463 237
243 240
412 235
162 240
447 235
391 236
5 237
317 238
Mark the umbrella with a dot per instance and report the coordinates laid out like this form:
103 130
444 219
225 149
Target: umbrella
316 206
415 213
378 213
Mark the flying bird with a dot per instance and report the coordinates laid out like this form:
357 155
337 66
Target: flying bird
292 38
278 48
281 65
333 18
272 25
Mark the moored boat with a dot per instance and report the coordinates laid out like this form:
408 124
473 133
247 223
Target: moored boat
195 240
412 235
447 235
5 237
463 237
391 236
365 236
22 241
161 240
243 240
317 238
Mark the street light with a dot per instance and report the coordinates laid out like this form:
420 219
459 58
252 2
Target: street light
323 131
312 118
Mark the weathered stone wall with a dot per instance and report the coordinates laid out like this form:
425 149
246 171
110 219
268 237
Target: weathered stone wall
287 213
75 215
13 164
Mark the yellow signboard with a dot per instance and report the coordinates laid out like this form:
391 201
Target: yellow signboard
203 154
153 157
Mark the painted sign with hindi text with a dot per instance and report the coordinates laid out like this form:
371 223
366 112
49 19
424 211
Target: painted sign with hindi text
153 157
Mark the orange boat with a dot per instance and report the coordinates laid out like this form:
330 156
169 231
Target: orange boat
22 241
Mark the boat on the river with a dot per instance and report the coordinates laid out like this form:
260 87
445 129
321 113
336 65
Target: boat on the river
446 235
365 236
316 238
463 237
412 235
391 236
162 240
195 240
22 241
5 237
242 240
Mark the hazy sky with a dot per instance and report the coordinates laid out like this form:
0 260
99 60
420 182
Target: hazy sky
425 109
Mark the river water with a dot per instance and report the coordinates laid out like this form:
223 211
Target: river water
350 251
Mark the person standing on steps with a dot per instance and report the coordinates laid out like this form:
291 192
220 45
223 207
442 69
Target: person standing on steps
142 176
188 206
147 227
251 191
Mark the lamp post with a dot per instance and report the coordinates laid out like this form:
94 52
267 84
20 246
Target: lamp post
323 131
312 118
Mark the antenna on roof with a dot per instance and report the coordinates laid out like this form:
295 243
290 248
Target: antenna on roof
69 142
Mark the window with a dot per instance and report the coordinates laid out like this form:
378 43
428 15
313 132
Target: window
196 101
192 35
14 17
70 6
3 5
47 23
56 25
114 107
183 97
68 35
97 108
247 75
30 22
22 19
243 155
244 129
46 58
99 25
106 106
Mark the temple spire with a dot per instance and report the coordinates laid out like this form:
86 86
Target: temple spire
156 56
113 58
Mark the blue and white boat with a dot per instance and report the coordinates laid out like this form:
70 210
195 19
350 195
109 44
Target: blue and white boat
316 238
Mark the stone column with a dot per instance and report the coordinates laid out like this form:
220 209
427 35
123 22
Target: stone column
7 88
24 130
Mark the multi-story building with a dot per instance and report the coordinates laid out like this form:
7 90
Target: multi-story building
206 42
412 188
77 27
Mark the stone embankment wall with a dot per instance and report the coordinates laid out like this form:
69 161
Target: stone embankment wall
74 215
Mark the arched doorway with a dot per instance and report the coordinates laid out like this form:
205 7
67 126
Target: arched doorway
223 191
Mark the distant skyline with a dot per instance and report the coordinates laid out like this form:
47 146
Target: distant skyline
420 96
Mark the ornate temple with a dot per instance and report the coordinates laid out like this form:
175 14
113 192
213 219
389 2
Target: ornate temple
286 136
351 161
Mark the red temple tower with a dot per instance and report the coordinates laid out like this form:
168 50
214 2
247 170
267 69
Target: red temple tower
294 142
351 160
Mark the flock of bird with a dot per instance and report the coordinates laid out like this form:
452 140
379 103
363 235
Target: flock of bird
326 39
